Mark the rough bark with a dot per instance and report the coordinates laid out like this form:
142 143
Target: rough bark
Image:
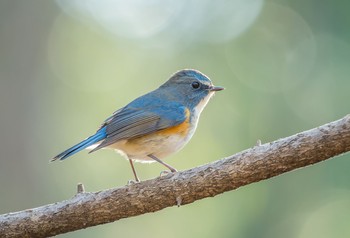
252 165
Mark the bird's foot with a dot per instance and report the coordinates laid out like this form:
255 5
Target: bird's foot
131 182
166 172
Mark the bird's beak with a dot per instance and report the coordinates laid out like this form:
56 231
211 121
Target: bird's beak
216 88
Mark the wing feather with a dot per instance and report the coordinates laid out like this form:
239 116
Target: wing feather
131 122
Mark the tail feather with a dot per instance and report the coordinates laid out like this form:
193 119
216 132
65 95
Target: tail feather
100 135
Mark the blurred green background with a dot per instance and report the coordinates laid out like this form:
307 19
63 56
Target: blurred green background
67 65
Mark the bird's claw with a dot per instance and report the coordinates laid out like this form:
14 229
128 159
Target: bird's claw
166 172
131 182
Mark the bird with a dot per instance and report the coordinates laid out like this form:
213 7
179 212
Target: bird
155 125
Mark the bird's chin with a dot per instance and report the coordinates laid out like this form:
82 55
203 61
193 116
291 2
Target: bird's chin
201 105
210 95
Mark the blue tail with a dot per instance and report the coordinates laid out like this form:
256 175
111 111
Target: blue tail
100 135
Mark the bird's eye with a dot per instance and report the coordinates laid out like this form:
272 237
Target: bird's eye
195 85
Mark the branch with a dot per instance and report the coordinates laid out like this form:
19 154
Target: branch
261 162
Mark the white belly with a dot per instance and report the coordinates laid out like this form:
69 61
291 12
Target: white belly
159 146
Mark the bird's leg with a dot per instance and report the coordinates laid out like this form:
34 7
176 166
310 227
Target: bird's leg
172 169
134 171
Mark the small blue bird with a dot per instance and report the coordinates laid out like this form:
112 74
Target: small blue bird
156 124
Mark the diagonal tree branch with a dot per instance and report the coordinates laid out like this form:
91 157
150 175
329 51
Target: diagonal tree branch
249 166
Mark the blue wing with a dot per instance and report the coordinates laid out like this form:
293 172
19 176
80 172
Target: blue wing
143 116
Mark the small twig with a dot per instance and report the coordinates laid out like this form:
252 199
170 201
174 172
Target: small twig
178 201
80 188
258 143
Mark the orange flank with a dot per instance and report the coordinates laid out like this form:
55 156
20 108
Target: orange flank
181 129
